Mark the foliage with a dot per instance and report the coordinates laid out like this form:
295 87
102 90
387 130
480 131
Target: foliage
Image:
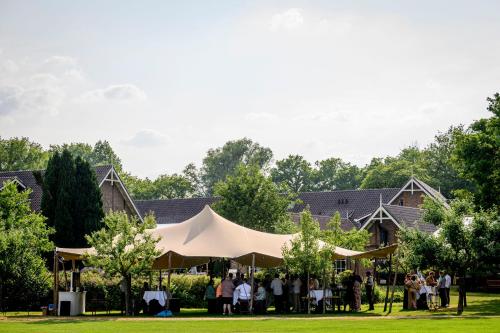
24 237
190 289
419 250
294 172
101 154
123 248
252 200
353 239
71 199
305 254
335 174
434 211
21 154
224 161
477 155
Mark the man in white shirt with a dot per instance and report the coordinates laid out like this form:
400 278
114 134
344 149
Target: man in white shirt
277 287
447 286
242 296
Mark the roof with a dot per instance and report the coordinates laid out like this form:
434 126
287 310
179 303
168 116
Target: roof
173 210
410 217
27 178
5 179
436 195
352 203
345 224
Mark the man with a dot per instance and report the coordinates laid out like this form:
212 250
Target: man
442 289
447 286
369 289
238 280
297 284
277 288
244 293
227 294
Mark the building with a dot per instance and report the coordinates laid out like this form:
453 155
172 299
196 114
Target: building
380 211
115 196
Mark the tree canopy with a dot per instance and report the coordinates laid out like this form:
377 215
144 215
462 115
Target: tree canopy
252 200
21 154
123 248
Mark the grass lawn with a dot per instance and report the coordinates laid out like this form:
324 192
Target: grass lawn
482 315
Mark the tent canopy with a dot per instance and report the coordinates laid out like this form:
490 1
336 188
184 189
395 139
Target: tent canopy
382 252
208 235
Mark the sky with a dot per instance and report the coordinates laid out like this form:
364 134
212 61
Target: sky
165 81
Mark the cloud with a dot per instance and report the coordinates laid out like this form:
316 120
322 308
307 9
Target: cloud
260 116
146 138
290 19
119 92
64 61
321 116
43 99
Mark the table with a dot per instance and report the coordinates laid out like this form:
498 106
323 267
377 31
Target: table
317 295
159 295
77 300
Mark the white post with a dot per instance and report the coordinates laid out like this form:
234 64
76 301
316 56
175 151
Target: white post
252 282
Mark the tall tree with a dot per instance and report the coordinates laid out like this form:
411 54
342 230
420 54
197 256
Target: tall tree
103 154
477 155
21 154
71 199
88 211
353 239
24 237
335 174
223 161
294 172
252 200
173 186
77 149
139 189
124 248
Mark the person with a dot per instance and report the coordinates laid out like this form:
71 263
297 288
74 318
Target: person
277 288
227 294
237 280
145 287
447 287
349 293
442 289
407 282
211 297
296 285
369 289
287 292
260 299
267 286
357 293
244 293
413 287
218 295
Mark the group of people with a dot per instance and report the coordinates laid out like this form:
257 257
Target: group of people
234 293
420 291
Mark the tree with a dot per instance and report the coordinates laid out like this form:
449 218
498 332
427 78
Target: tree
477 155
24 237
335 174
123 248
419 250
103 154
21 154
353 239
173 186
88 210
395 171
77 149
294 172
305 254
252 200
223 161
139 189
71 199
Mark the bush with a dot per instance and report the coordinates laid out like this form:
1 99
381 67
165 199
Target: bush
190 289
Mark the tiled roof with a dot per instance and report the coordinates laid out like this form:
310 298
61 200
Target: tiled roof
431 190
28 179
354 204
11 178
410 217
345 224
173 210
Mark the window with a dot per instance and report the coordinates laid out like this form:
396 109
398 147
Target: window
340 265
384 237
401 202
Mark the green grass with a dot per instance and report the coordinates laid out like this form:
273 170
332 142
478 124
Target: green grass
482 315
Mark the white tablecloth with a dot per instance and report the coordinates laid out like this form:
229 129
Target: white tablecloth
317 295
160 296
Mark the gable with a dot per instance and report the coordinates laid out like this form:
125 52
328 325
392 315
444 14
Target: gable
411 194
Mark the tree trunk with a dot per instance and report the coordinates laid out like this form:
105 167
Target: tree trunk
308 301
461 295
128 295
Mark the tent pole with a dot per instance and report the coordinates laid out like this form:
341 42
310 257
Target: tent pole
56 282
252 282
168 279
388 283
394 285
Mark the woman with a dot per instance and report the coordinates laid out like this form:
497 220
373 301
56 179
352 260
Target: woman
357 293
413 287
405 295
260 299
211 297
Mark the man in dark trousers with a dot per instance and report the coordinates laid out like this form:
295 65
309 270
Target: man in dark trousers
369 285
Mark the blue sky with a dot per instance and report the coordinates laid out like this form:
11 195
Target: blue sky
165 81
